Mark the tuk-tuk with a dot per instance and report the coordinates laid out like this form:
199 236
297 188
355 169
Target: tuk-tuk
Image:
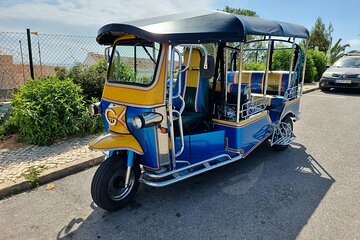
181 98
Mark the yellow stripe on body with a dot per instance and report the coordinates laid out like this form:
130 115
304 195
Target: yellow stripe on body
241 123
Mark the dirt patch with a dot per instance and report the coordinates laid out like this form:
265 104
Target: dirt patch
12 142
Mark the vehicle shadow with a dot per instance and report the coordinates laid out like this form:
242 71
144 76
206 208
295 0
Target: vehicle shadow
268 195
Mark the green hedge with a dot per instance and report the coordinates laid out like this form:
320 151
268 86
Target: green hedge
90 78
320 61
50 109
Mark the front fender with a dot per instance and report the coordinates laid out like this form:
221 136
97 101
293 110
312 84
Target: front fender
113 141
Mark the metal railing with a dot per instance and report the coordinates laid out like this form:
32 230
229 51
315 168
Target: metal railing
253 107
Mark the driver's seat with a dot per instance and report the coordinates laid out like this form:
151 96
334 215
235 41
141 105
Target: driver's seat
195 91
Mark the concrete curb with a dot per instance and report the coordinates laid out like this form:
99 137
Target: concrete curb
9 188
310 90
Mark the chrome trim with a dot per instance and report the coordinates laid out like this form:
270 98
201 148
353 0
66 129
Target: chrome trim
195 46
304 68
178 94
95 109
151 119
177 176
253 107
166 174
239 82
283 130
291 62
178 153
170 108
291 93
127 176
267 67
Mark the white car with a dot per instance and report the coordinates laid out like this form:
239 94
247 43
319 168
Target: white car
345 73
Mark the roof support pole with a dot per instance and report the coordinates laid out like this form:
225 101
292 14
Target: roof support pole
170 110
267 68
291 62
304 67
226 73
238 107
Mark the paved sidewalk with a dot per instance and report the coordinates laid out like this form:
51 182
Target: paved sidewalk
57 157
14 163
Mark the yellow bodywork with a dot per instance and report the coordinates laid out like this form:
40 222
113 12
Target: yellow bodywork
141 96
116 117
114 141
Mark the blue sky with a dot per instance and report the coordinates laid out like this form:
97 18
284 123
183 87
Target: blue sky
85 17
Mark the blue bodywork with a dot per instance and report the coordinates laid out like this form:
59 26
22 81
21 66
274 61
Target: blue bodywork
244 138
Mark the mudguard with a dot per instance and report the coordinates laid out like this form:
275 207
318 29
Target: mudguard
113 141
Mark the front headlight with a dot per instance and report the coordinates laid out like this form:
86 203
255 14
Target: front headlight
327 75
359 76
137 122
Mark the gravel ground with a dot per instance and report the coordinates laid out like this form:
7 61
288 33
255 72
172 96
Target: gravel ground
310 191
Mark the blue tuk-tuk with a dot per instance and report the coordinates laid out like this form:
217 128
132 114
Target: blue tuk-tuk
190 92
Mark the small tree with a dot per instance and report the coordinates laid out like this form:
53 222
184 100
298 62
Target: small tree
337 51
240 11
320 36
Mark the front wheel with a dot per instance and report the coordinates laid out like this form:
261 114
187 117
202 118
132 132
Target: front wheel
322 88
108 188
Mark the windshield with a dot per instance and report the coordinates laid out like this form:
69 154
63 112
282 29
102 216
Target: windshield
134 65
349 62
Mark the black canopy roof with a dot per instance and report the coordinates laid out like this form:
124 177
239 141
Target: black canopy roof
200 27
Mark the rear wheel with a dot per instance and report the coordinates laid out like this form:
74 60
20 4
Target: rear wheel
108 188
279 147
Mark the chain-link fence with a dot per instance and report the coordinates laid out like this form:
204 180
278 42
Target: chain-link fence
48 51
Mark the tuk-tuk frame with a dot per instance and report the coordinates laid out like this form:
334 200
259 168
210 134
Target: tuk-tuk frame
180 168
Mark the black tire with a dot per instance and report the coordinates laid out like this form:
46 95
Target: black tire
324 89
277 147
107 187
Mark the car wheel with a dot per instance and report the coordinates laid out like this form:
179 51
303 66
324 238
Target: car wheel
324 89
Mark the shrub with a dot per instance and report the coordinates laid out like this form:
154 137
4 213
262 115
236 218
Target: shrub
6 129
310 71
255 66
50 109
90 78
281 60
320 61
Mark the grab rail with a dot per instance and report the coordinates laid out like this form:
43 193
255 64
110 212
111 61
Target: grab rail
178 153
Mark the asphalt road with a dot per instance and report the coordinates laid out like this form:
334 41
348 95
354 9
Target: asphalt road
310 191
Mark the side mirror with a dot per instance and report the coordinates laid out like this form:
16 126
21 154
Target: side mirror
107 54
207 66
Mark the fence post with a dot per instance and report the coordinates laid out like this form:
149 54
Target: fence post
30 53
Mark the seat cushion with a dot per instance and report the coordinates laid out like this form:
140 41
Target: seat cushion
192 121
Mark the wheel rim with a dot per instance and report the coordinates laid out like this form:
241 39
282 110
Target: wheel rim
283 131
116 189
